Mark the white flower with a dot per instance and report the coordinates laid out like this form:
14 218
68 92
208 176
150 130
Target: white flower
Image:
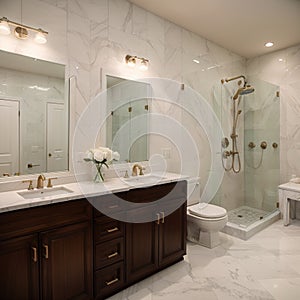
89 154
98 155
101 153
115 156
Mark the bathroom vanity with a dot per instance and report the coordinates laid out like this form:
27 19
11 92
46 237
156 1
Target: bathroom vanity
70 250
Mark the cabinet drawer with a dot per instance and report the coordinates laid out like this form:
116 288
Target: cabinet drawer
26 221
109 252
166 192
107 204
108 280
107 229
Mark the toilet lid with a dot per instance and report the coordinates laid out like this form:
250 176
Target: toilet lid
207 210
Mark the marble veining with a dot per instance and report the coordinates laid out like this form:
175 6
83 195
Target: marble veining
266 267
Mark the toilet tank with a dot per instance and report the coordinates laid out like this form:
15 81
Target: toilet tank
193 190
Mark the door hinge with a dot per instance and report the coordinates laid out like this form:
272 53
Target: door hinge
129 109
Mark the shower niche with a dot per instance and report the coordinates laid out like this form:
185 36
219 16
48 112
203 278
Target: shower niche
249 112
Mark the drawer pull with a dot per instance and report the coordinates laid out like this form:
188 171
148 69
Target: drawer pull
112 282
163 217
34 258
112 255
112 229
158 217
46 255
113 206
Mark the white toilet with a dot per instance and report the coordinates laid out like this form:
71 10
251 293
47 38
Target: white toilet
204 221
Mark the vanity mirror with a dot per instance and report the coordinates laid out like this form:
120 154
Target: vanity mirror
127 127
34 110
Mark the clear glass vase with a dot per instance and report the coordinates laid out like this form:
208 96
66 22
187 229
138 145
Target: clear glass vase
98 177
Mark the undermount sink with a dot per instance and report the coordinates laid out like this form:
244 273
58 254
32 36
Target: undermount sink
144 179
46 192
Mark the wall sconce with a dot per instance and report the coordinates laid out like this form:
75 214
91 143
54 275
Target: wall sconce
131 62
21 31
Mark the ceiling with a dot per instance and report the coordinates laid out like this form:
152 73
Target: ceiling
242 26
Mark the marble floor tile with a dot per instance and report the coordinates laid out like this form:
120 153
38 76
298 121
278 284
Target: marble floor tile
283 289
265 267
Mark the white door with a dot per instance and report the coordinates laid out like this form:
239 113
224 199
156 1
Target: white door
9 137
57 137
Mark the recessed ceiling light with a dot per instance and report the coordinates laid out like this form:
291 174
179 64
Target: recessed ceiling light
280 59
269 44
196 61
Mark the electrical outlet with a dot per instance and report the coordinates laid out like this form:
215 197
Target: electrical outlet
166 153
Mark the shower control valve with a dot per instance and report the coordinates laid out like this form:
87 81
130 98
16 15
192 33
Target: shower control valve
226 154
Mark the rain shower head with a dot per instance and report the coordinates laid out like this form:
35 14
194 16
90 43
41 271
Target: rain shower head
243 91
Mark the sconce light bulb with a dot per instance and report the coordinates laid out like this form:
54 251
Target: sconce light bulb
21 33
130 60
4 27
144 65
40 38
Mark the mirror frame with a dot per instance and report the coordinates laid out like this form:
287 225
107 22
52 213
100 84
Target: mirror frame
103 86
67 175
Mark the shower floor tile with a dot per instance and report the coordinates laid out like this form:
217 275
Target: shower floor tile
245 215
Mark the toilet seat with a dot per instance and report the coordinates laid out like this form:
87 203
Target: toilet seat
207 211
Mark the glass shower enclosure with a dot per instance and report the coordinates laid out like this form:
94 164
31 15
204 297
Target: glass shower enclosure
250 196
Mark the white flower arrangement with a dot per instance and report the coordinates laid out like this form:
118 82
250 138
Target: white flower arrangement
101 156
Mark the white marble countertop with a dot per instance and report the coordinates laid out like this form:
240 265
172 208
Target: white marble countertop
290 186
11 200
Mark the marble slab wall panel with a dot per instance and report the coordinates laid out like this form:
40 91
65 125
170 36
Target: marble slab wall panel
92 38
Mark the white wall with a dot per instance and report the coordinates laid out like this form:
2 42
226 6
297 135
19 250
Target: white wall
89 35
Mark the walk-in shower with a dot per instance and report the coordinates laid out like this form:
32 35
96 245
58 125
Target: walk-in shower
249 115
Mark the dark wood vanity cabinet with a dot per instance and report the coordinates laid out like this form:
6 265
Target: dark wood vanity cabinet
71 250
46 252
154 245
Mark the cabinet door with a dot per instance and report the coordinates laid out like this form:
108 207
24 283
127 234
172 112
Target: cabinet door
172 236
66 262
141 249
19 276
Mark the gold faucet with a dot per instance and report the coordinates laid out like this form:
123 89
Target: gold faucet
40 181
134 169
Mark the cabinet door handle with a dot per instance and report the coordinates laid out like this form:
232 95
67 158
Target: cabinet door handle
35 257
112 255
158 218
46 255
112 281
112 229
163 217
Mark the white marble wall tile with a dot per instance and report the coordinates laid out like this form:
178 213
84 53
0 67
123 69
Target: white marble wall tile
173 35
78 38
155 28
120 15
94 10
59 3
139 22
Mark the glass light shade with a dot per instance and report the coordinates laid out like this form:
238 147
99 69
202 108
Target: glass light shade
4 27
21 33
131 62
40 38
144 65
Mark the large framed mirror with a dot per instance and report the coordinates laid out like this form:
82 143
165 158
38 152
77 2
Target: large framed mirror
127 126
34 116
